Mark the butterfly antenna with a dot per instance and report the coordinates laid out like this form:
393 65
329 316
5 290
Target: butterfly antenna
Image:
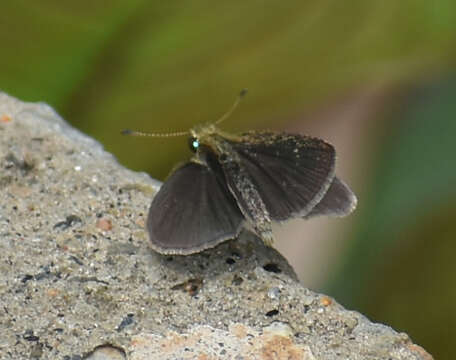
233 107
139 133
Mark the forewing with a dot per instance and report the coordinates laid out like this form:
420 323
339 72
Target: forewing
192 211
291 172
339 200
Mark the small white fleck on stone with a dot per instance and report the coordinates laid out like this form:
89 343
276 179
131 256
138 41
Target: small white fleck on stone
274 293
279 328
77 168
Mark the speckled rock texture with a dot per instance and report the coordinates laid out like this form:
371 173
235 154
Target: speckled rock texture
78 279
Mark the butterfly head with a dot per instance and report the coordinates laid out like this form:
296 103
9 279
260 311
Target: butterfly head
201 135
193 143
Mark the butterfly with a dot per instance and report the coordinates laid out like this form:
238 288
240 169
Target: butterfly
246 180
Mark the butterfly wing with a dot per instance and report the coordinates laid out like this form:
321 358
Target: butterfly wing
292 173
192 211
339 200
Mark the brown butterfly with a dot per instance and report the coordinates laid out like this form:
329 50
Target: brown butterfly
251 179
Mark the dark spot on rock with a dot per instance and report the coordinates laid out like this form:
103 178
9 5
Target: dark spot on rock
237 280
76 260
68 222
26 278
128 320
306 308
271 267
45 274
31 337
191 286
230 261
272 313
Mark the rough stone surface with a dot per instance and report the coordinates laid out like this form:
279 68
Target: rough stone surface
78 279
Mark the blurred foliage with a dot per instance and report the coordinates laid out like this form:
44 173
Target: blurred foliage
165 66
162 66
400 267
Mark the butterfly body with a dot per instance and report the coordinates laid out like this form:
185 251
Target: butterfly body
240 183
249 179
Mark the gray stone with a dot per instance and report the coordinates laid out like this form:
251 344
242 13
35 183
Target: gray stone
78 279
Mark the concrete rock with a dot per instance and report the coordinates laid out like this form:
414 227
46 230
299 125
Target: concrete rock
78 279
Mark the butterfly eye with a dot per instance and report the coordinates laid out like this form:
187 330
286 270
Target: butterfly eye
193 143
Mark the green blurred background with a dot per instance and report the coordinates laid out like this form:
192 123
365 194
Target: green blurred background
376 78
